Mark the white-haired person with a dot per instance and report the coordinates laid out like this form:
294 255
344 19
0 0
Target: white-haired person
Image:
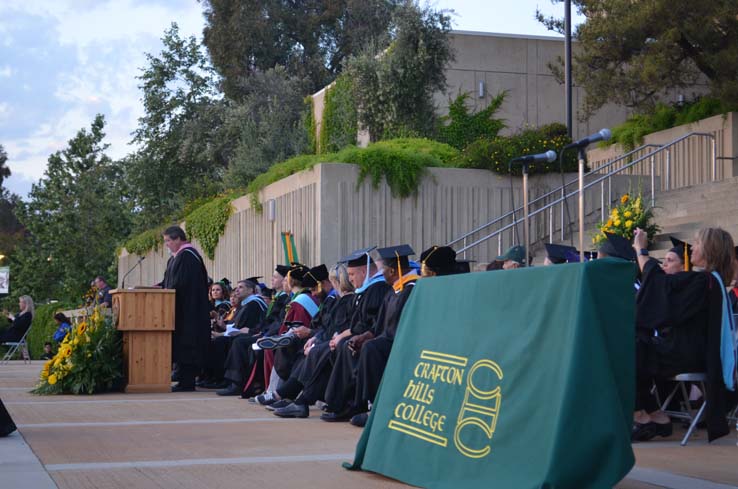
20 322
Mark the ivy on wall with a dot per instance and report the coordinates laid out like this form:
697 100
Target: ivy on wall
207 223
401 162
340 119
310 125
146 241
461 127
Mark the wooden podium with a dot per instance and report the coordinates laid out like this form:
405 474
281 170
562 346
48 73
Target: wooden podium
146 318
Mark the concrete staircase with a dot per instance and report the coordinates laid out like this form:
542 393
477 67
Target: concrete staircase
682 212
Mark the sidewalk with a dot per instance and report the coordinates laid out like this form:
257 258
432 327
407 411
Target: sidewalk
195 440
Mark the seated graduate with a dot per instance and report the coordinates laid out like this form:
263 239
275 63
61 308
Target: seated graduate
318 351
250 313
437 261
244 371
374 353
219 294
394 264
20 322
513 258
684 324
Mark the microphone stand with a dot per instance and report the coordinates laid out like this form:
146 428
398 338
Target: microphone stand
582 156
526 214
123 281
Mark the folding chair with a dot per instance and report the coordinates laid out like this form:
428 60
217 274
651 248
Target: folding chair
21 345
681 385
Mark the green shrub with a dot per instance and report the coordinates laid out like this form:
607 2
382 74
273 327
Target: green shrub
308 121
495 153
44 326
146 241
630 133
460 128
402 162
207 223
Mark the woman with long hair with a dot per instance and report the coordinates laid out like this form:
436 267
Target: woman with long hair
684 324
20 322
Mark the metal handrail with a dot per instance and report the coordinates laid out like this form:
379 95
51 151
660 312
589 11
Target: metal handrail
601 179
556 191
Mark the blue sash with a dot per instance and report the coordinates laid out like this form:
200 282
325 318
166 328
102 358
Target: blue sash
262 305
727 338
376 278
307 303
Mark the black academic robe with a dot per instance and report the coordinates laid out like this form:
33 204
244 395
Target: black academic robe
678 325
20 325
275 315
186 274
342 382
321 321
6 422
375 353
367 305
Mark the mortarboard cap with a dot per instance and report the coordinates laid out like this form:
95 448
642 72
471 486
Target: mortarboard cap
464 266
298 271
266 291
391 255
357 258
282 270
320 272
516 254
440 259
254 281
684 251
560 253
618 247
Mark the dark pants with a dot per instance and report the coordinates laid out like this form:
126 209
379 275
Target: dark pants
372 362
314 374
240 360
341 388
6 423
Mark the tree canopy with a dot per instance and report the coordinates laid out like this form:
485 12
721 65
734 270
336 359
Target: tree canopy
310 39
631 52
76 216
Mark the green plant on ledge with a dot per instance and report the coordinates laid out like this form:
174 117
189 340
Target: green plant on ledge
146 241
207 223
401 162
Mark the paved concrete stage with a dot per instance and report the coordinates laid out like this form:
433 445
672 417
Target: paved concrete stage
196 440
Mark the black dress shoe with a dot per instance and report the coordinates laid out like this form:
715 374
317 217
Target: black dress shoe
292 410
231 390
360 420
344 415
279 404
183 388
217 384
648 431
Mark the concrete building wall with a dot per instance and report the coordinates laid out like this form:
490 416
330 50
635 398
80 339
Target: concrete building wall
517 65
688 162
330 215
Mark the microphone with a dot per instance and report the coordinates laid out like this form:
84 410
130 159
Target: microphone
123 281
549 157
601 135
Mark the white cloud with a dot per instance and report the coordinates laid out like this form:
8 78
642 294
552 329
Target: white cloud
109 40
6 71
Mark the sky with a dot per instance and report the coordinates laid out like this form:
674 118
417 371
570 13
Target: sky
64 61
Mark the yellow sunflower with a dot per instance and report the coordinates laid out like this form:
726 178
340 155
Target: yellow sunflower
624 198
81 328
52 379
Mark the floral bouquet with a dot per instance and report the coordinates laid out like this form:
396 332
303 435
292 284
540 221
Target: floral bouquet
624 218
89 359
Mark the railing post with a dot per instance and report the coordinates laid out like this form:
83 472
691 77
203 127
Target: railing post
499 244
602 200
561 207
668 170
550 224
714 158
464 247
653 181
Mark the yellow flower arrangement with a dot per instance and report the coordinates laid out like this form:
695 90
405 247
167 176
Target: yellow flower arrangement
88 360
625 217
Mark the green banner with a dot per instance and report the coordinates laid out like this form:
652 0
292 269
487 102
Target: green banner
511 379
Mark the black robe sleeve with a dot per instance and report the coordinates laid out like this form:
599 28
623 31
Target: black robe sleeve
20 325
367 311
250 316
